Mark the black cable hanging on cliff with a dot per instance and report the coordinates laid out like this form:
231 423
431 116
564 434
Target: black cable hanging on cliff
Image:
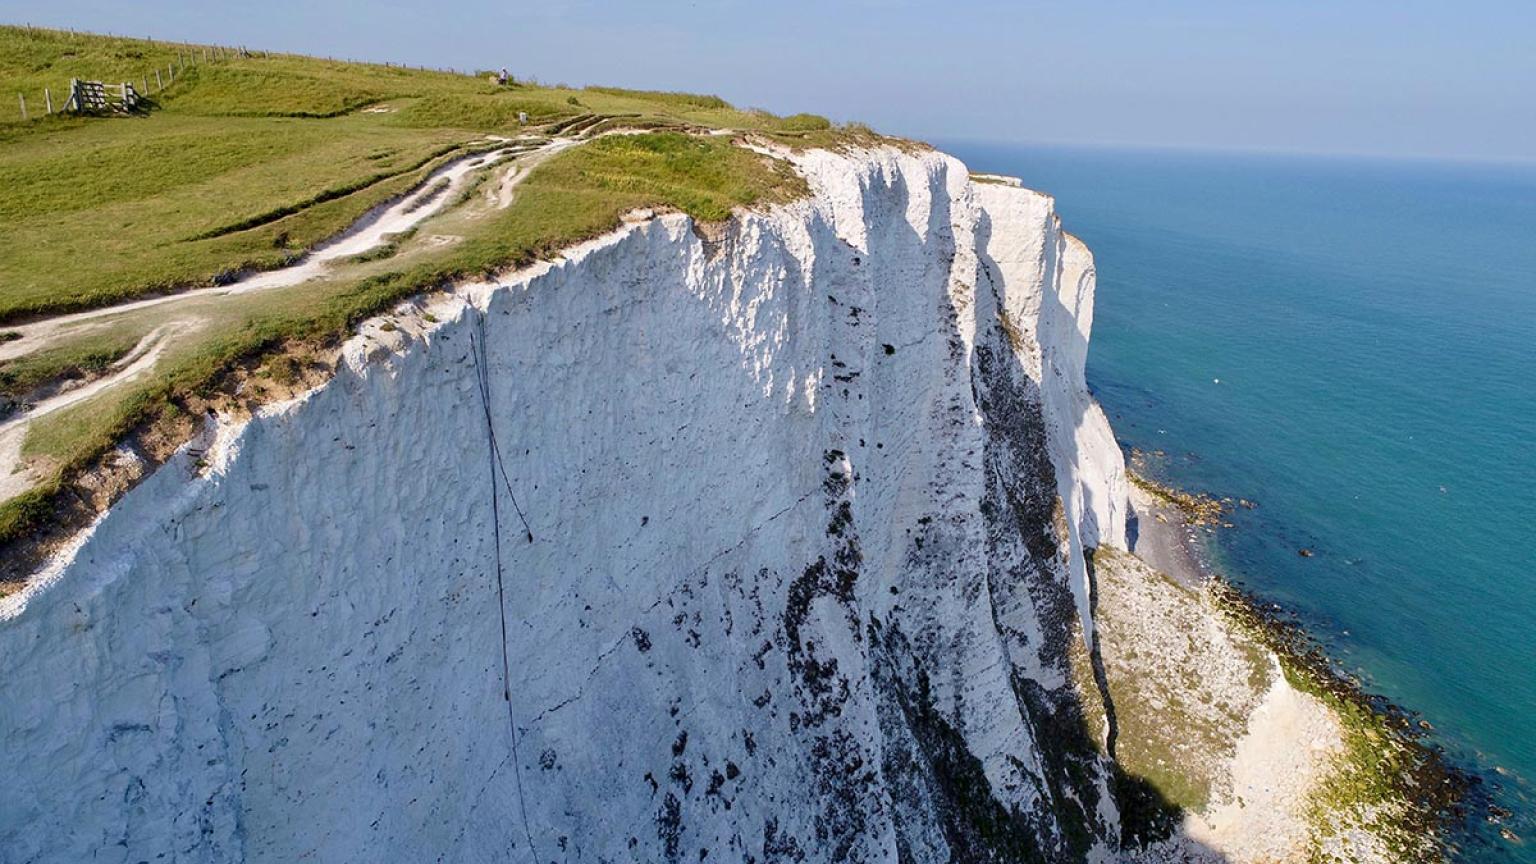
482 378
490 428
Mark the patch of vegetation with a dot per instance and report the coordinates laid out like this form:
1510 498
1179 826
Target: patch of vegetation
836 137
1198 509
1387 781
991 179
681 100
429 162
804 123
1147 812
111 210
72 359
1148 751
704 177
247 91
283 369
428 195
1168 739
472 187
387 249
1011 331
495 112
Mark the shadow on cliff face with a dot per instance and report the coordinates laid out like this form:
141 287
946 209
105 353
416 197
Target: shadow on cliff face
1038 803
1146 814
1052 811
1079 754
946 805
921 775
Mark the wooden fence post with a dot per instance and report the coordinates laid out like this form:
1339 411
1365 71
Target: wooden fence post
23 98
158 85
48 99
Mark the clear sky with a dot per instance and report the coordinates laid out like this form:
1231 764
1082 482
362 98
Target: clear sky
1446 78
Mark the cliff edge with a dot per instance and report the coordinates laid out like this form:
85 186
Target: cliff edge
764 540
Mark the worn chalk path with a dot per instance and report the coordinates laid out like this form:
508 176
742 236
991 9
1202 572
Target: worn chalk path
370 232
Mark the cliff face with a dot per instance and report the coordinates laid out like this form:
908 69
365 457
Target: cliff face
808 496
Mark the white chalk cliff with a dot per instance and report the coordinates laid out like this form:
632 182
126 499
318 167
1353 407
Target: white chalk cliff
808 493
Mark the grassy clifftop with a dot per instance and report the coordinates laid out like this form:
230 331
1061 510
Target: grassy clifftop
136 205
248 160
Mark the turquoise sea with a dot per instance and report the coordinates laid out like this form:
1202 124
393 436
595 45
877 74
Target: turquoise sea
1372 327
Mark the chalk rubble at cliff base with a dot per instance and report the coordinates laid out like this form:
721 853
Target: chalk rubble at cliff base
809 499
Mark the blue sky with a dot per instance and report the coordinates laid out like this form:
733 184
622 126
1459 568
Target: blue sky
1409 78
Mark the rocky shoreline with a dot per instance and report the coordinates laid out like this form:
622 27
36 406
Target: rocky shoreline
1390 794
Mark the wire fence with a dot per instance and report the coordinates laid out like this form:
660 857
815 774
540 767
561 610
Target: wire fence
156 81
88 97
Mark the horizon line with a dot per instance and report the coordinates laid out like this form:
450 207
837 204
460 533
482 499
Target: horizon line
1216 149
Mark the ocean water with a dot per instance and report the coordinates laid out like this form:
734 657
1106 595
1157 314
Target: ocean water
1352 345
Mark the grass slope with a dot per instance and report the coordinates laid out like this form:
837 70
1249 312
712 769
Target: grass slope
97 212
32 59
111 210
247 161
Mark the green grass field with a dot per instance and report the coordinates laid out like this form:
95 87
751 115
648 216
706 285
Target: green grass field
101 212
245 162
130 203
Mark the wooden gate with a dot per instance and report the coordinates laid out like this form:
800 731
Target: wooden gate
94 96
